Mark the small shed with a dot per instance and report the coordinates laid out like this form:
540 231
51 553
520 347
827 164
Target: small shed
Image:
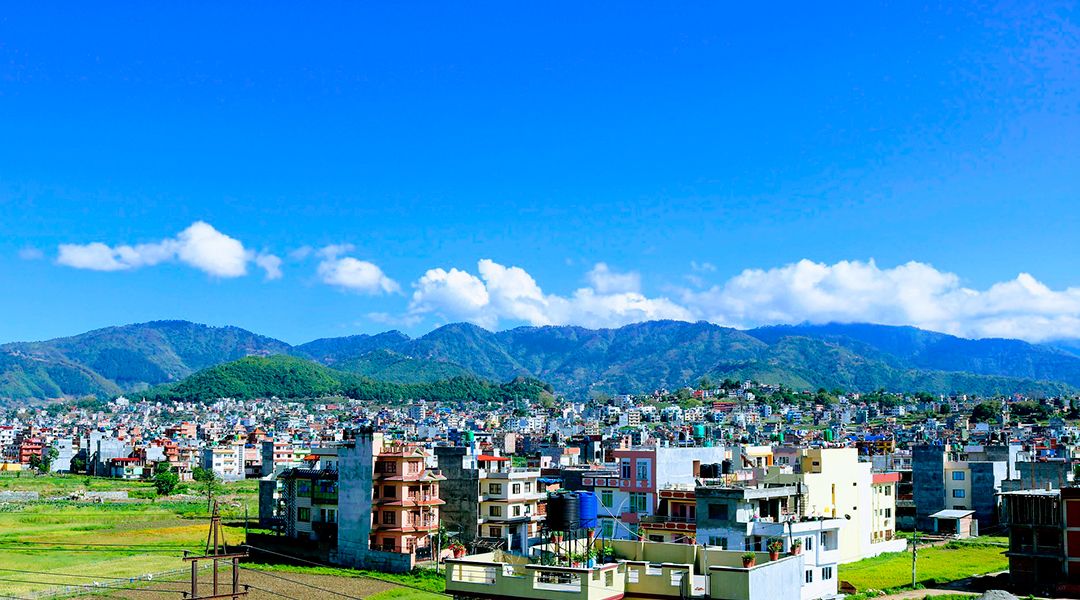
958 522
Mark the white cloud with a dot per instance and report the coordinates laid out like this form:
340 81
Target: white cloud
510 293
910 294
200 246
605 281
702 267
914 293
353 274
270 264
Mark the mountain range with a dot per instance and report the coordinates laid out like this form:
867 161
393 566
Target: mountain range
635 358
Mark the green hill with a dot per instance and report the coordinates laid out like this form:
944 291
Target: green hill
291 377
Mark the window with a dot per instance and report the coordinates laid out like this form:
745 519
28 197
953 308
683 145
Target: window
303 488
609 577
528 487
516 488
494 488
642 470
517 510
888 513
656 538
389 467
607 528
625 469
494 511
958 493
605 498
888 490
637 503
826 573
809 576
718 511
388 517
388 491
720 541
958 475
303 514
495 532
808 543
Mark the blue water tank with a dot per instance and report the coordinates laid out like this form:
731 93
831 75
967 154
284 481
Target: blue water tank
587 507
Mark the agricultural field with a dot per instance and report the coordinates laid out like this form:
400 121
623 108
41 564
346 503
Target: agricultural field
936 565
58 543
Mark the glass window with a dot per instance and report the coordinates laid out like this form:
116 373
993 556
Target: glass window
637 503
808 543
826 573
607 528
303 514
388 517
625 469
494 488
605 498
958 475
718 511
809 576
494 511
389 491
642 470
516 488
303 488
528 487
958 493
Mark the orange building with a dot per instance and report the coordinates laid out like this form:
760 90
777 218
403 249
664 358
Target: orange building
405 501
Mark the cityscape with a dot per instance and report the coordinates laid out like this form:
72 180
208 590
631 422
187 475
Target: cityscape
563 301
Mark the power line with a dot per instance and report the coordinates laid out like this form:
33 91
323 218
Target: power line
318 564
308 585
255 587
103 588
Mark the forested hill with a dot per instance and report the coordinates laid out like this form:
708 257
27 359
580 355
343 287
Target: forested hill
291 377
577 361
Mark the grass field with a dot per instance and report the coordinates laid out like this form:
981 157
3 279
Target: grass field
935 565
58 542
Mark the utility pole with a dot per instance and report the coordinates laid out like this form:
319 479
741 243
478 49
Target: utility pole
914 555
216 551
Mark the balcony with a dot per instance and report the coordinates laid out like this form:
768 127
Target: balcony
668 523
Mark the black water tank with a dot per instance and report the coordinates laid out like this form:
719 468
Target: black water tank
725 467
709 471
563 512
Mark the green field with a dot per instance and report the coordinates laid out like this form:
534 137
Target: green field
51 543
936 565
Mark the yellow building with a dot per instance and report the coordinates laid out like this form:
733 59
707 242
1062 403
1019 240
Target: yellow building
839 486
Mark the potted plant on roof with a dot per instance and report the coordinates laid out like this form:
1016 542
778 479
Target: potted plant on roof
458 549
775 546
748 559
796 546
556 536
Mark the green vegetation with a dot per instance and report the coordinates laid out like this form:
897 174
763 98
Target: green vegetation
290 377
935 565
107 540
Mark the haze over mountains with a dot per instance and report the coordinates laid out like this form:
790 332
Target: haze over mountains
634 358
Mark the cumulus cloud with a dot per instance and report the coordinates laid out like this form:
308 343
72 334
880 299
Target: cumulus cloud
914 293
200 246
353 274
501 293
605 281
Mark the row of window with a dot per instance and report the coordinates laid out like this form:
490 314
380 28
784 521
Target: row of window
826 574
516 488
326 515
496 510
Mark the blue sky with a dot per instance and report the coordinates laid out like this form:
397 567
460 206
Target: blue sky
894 163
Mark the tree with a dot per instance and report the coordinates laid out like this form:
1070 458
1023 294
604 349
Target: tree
985 412
78 465
34 462
48 457
208 481
162 466
165 482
